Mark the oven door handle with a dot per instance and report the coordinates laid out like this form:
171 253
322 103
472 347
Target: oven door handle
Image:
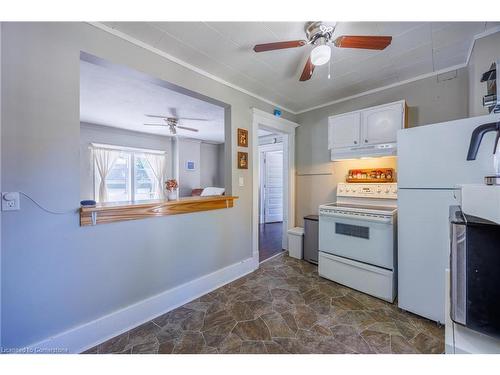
374 218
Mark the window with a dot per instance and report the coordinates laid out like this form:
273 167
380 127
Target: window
129 174
118 180
144 179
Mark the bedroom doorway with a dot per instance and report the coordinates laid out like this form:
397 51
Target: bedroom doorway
274 127
270 194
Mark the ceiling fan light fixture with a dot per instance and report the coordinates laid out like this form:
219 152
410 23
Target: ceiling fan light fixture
321 54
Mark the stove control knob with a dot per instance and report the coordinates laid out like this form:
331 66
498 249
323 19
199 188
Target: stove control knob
379 189
394 190
387 190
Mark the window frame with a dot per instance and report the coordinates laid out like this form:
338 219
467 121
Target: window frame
132 154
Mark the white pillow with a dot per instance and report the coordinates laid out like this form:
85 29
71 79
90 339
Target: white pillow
210 191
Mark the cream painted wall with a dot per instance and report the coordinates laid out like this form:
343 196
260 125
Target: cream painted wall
486 51
313 190
429 100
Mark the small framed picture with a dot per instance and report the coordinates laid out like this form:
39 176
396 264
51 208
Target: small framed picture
190 165
242 160
242 137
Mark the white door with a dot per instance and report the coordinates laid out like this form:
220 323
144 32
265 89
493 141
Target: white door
273 186
344 130
381 124
423 250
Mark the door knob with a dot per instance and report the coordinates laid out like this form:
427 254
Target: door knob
366 140
355 142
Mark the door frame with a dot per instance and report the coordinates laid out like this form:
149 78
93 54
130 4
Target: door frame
263 149
264 120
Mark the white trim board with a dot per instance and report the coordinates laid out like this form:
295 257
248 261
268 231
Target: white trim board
285 128
185 64
86 336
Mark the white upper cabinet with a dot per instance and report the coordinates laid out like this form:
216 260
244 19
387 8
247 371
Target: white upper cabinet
380 124
344 130
367 132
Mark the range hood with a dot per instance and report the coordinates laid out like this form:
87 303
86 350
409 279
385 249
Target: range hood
383 149
492 97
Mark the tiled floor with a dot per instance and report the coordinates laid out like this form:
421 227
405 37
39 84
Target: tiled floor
283 307
270 235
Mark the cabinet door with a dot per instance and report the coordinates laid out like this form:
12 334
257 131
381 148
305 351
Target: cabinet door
344 130
380 125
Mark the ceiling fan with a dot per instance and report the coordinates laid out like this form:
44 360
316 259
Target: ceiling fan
172 121
321 37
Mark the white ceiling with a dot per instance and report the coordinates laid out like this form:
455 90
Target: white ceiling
111 97
224 49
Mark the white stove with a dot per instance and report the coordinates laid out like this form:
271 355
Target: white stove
357 238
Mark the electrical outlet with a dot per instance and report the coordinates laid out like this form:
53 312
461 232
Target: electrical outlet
10 201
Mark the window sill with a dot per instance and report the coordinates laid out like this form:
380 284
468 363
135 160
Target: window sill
124 211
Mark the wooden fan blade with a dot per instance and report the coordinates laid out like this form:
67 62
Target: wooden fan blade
186 128
155 124
308 70
279 45
364 42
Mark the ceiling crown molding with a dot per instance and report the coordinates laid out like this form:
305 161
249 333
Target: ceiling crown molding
185 64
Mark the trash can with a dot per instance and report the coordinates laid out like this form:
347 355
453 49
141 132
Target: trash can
295 242
311 238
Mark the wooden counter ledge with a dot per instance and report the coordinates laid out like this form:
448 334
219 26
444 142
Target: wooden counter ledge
112 212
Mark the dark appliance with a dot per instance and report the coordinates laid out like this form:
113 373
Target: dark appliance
475 272
311 238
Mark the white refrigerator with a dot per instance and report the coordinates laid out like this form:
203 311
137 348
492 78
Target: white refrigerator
431 163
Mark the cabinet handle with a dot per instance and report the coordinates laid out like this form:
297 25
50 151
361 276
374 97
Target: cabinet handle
355 142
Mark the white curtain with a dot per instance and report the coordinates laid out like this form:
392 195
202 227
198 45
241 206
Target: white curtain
157 163
104 160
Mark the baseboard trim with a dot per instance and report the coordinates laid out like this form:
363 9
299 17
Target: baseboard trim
86 336
274 256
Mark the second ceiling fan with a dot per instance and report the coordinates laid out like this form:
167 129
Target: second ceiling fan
172 121
321 36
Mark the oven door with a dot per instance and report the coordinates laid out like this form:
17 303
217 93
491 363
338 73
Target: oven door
366 238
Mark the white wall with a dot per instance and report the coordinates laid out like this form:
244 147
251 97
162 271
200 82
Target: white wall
209 161
189 150
57 275
486 51
211 173
92 133
429 100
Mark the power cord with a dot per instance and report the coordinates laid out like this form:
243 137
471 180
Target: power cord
46 209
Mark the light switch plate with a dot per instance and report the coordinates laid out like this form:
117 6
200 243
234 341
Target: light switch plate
10 201
241 181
